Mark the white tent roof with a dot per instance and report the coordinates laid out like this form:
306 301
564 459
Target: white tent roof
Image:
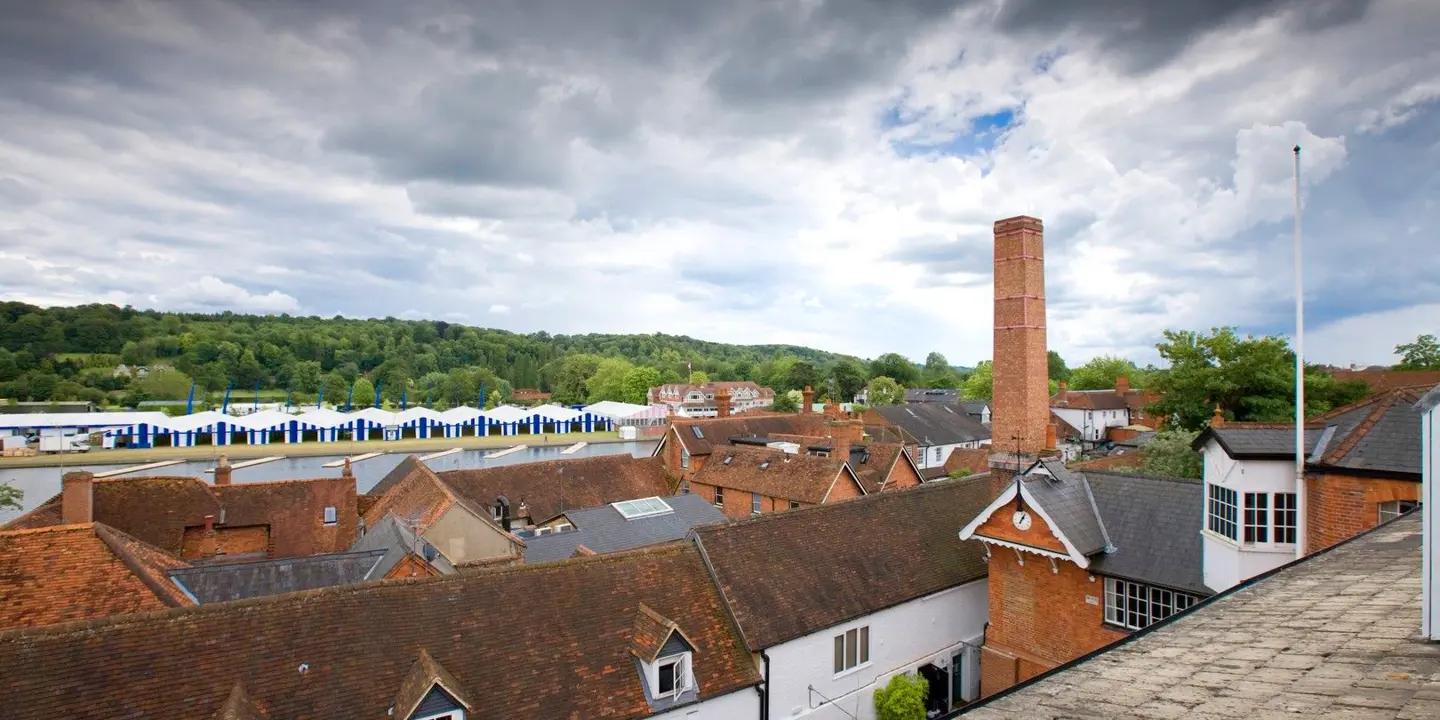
200 419
324 418
508 413
264 420
456 415
557 413
414 413
376 415
617 410
88 420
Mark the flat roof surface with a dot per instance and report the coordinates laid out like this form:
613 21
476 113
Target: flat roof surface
1335 636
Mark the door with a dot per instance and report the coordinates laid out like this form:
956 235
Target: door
957 679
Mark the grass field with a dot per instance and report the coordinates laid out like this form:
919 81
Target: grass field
241 452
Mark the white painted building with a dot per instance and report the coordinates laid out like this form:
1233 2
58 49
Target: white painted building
938 430
1429 407
1093 424
809 679
1240 541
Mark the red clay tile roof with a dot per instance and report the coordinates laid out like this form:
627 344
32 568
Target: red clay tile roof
774 473
424 675
552 487
345 652
876 469
1382 380
716 432
238 706
651 631
419 495
1093 400
1063 428
81 572
794 573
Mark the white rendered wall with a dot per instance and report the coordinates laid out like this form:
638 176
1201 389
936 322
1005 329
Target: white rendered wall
1430 498
1227 562
739 705
902 638
927 453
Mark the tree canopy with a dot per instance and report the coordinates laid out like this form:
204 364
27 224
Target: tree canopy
1423 354
903 698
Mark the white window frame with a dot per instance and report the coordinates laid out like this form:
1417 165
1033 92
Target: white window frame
937 455
1222 512
755 503
719 496
851 650
1135 606
1395 508
684 458
331 515
1285 521
447 715
1256 519
680 675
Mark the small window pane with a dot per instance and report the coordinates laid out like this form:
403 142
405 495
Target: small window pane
851 646
865 644
839 654
667 679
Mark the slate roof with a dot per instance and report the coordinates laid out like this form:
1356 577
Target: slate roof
1330 636
238 581
975 408
794 573
1154 524
80 572
932 395
158 510
398 541
1063 428
605 530
774 473
1429 401
936 424
1069 503
874 462
555 486
1380 434
716 432
345 652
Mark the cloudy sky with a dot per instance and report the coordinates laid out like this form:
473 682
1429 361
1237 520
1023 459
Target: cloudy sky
821 172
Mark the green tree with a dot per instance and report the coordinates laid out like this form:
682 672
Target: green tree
608 382
884 391
785 403
637 384
569 376
305 377
801 374
1170 455
938 373
848 377
896 367
363 393
903 698
165 384
1423 354
699 377
981 383
335 387
1100 374
10 497
1058 369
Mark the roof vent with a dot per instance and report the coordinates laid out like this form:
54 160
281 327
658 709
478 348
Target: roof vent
765 465
727 460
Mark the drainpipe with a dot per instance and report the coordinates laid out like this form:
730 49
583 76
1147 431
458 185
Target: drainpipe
765 688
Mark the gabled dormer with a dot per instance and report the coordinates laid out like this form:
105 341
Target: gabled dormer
238 706
1047 511
664 659
430 693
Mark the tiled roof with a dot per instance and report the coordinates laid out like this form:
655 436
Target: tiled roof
401 471
398 541
976 460
81 572
773 473
717 432
1378 434
425 675
1331 636
555 486
873 463
345 652
650 633
1383 380
1154 524
794 573
1429 401
158 510
1092 400
238 706
1068 502
935 423
605 530
238 581
417 495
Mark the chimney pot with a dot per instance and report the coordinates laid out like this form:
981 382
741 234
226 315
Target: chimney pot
209 524
1122 385
1218 420
77 498
722 402
222 471
807 400
347 471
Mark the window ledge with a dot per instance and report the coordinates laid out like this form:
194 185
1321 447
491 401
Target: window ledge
1118 628
851 671
1207 532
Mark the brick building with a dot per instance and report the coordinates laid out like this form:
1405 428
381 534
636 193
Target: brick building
1020 419
1362 467
744 480
1092 416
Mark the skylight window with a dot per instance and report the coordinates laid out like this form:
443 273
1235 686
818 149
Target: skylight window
644 507
699 434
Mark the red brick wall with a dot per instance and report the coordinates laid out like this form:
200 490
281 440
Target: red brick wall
227 541
1001 526
902 475
1343 506
1022 387
411 566
1039 618
671 454
738 502
845 488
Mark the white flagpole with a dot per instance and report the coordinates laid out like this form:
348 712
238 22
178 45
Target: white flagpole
1300 499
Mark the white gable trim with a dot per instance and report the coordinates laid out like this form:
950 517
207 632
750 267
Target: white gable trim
844 469
1023 548
1004 499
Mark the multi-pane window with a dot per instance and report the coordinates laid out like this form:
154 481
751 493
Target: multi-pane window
755 503
794 504
684 458
719 497
1223 511
1285 518
1136 605
937 454
671 676
1392 510
852 649
1257 518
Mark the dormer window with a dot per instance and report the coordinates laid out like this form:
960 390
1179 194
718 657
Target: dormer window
663 658
672 675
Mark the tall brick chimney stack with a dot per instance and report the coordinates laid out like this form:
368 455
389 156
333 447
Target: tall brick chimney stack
722 402
1062 394
807 400
1021 366
77 498
843 435
222 471
1122 385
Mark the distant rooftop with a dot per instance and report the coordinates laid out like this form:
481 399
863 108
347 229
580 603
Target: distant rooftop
1332 636
606 529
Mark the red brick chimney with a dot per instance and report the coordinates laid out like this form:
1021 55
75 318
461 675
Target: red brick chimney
1022 375
222 471
1061 395
209 545
807 400
722 402
1122 385
844 434
77 498
347 471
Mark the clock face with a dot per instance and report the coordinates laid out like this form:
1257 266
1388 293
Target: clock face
1021 520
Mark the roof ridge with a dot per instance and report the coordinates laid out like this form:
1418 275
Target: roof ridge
1141 476
140 567
381 586
1358 433
73 527
923 487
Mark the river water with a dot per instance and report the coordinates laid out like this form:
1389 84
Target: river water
40 484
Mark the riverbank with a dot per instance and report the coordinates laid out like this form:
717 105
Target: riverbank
137 456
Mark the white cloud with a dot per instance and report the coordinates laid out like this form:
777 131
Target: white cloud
211 294
1370 339
499 310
